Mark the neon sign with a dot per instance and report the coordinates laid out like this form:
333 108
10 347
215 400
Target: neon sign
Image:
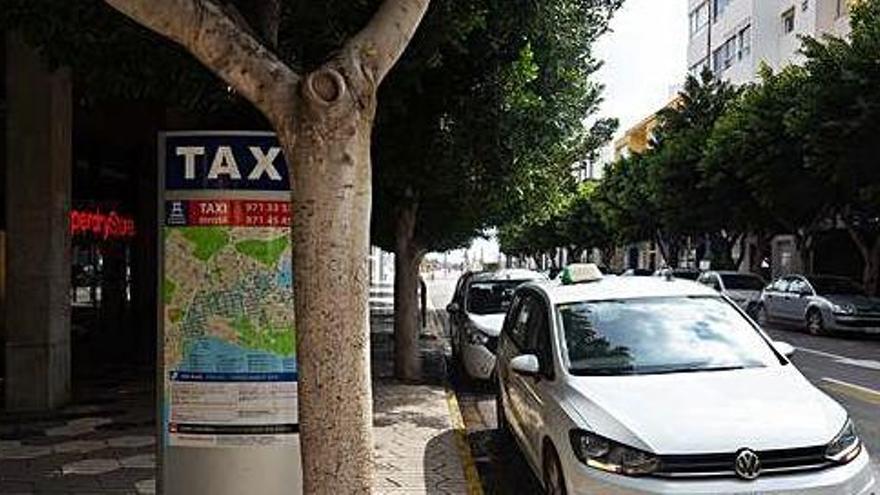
102 225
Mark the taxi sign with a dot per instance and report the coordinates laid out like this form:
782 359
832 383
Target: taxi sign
581 273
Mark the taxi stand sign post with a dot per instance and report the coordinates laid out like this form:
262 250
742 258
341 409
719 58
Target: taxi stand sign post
227 369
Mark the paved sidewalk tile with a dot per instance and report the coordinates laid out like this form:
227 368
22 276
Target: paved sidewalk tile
105 442
416 448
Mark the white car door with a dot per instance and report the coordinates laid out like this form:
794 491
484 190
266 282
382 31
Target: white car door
511 382
534 387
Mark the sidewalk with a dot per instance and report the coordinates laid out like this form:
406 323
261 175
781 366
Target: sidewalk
421 447
105 442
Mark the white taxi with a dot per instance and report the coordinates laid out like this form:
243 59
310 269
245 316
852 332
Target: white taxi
654 385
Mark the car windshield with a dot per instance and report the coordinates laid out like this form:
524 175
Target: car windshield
835 285
490 297
660 335
742 282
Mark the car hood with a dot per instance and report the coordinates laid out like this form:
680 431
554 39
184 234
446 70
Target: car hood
710 412
862 303
489 324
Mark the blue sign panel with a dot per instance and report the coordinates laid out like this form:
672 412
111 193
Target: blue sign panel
253 162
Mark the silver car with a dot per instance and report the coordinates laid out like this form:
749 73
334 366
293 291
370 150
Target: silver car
476 314
821 304
742 288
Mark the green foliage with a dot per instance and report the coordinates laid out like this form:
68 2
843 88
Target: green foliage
481 122
758 146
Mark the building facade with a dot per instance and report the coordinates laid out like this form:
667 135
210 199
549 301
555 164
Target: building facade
734 38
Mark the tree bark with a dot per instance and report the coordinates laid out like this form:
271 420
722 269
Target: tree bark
871 256
324 123
407 258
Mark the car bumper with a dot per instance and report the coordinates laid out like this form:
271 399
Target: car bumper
856 478
854 324
478 360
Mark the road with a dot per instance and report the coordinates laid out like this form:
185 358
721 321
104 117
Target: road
845 367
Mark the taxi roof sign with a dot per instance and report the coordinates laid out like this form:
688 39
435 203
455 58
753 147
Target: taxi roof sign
580 273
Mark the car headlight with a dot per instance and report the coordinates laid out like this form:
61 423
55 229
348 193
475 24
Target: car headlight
846 446
608 455
476 337
843 309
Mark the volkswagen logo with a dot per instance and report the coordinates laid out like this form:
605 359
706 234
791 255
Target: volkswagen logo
747 464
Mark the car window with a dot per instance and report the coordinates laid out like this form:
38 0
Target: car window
781 285
459 288
660 335
518 329
491 296
538 334
799 286
742 282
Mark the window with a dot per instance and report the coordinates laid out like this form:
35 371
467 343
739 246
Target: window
744 43
491 296
799 286
724 55
519 325
539 335
660 335
788 21
697 69
699 18
720 6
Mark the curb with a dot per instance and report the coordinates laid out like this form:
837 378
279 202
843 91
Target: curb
471 475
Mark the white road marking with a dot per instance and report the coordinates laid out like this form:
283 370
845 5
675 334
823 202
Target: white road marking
861 363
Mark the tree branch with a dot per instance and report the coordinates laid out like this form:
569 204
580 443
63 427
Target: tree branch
223 45
381 43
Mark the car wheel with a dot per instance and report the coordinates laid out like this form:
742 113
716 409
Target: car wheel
815 323
554 480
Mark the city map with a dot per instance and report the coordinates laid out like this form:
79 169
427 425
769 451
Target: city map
228 300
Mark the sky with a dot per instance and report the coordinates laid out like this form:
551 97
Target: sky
645 61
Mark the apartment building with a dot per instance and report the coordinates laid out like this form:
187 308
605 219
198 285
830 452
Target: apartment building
733 37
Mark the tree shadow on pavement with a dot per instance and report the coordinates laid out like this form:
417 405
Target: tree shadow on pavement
443 466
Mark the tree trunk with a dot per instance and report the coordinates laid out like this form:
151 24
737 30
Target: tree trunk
407 257
871 256
329 142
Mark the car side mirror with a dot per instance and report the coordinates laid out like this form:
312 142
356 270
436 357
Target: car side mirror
784 348
526 365
452 307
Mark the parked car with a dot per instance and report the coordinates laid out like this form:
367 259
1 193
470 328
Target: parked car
820 303
476 313
680 273
742 288
626 385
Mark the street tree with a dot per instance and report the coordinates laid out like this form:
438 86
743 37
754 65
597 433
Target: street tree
840 123
758 144
321 106
468 120
627 205
676 176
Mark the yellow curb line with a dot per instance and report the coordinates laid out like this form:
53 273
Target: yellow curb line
472 477
865 394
